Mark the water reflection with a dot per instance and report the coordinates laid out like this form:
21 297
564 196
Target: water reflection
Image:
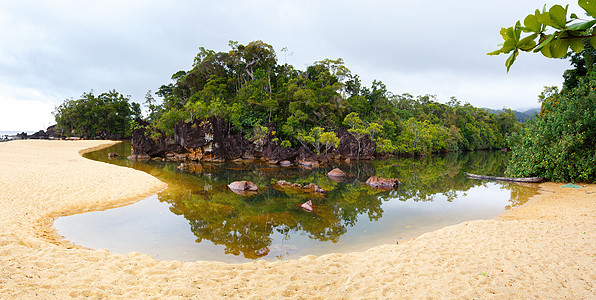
259 225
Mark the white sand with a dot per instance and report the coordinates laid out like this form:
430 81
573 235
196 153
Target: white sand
545 248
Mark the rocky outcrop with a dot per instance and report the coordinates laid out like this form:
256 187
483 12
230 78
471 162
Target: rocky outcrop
350 147
143 144
52 132
306 158
213 139
210 139
40 135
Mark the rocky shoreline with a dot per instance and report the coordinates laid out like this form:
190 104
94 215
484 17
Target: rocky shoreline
213 140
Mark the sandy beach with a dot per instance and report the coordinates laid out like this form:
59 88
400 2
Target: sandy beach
545 248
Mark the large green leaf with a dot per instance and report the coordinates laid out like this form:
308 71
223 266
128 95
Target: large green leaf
546 51
511 59
576 45
558 47
581 26
558 15
508 46
544 43
531 22
589 6
593 42
528 46
544 18
517 30
527 39
496 52
510 33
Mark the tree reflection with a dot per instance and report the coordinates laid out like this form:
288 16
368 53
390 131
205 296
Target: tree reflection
245 225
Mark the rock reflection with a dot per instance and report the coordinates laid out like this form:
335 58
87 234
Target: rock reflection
245 224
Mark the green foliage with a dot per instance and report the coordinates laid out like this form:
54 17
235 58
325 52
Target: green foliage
560 143
329 140
549 31
169 119
103 116
248 88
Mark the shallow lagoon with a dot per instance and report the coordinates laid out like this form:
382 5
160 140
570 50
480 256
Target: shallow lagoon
198 218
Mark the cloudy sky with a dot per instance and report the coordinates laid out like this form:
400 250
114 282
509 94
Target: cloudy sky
54 50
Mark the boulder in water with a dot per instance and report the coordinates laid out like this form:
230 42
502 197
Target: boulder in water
307 206
382 183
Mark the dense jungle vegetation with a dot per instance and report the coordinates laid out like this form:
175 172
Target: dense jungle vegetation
560 144
249 88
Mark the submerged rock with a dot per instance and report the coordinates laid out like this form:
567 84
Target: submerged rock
139 157
243 186
313 187
307 206
336 173
382 183
310 188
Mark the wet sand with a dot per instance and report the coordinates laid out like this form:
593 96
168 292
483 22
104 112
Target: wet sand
546 248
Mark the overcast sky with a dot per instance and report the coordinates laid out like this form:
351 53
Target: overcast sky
55 50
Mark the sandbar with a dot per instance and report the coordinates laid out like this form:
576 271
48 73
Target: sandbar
545 248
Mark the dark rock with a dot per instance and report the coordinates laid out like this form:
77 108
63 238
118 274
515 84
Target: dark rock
304 154
103 135
352 148
40 135
382 183
52 132
113 155
306 158
142 144
21 136
273 151
213 136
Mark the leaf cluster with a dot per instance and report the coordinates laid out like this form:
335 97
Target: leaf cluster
551 32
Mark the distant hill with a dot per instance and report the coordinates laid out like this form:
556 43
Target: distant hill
521 116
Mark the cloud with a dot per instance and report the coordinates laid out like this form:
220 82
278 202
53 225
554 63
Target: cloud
24 109
64 48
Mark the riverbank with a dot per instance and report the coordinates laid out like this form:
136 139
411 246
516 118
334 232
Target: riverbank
545 248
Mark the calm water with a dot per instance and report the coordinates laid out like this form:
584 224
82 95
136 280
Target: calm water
198 218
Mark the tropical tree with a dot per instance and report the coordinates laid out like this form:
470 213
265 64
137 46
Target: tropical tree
108 115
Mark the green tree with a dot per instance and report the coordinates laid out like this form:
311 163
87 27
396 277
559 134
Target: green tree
560 144
329 140
108 115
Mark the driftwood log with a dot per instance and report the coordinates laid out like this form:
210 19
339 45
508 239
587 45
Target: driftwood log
513 179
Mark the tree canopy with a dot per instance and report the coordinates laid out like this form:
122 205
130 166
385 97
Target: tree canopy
105 116
248 87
